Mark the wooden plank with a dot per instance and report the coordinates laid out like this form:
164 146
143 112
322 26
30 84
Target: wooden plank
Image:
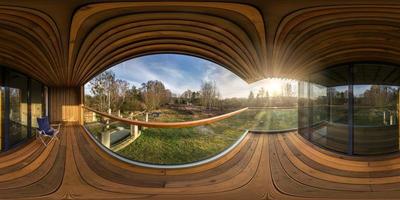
65 104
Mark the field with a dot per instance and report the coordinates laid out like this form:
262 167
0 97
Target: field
185 145
273 119
177 114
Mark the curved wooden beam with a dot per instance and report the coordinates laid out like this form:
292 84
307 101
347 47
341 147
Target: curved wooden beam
312 39
31 44
229 34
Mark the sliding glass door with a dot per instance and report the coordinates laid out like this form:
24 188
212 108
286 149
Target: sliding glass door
21 102
17 99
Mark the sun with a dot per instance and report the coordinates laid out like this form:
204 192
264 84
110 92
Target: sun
274 86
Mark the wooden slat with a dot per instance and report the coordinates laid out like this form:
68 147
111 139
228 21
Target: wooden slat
230 34
65 104
278 166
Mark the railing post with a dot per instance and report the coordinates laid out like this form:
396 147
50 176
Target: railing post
94 118
147 119
384 117
108 119
135 132
106 139
391 118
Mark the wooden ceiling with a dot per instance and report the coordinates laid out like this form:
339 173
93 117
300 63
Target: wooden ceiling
66 43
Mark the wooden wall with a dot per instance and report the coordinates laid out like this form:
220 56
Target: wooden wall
65 104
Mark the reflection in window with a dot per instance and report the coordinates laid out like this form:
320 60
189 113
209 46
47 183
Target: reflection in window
20 103
337 128
2 111
304 109
36 102
17 96
354 109
375 119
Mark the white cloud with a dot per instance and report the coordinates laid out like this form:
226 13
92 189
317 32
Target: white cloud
136 71
228 83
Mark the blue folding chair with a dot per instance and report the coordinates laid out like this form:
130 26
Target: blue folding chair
46 130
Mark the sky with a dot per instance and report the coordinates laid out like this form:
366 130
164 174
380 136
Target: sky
181 72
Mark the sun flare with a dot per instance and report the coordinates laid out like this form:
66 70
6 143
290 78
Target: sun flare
273 86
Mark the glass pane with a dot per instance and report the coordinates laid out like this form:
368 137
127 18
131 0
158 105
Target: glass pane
375 119
2 96
303 109
337 129
18 123
36 102
319 101
319 113
324 120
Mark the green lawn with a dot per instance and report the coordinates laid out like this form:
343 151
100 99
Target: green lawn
273 119
172 115
185 145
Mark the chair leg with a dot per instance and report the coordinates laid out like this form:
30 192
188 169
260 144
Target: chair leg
41 139
53 138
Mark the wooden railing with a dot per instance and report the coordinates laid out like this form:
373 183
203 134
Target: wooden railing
167 124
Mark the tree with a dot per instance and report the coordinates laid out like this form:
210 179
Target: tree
250 99
133 100
260 99
187 96
378 96
251 95
209 94
261 93
118 93
154 94
108 92
101 87
288 90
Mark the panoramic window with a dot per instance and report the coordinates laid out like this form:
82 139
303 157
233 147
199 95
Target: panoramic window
21 102
160 89
354 109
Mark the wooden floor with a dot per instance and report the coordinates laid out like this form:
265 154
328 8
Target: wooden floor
267 166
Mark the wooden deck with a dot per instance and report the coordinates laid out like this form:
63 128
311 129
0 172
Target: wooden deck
268 166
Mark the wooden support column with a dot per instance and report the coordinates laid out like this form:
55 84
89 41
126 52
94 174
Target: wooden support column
65 104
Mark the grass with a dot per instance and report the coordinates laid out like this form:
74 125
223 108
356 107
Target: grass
179 115
274 119
185 145
169 146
